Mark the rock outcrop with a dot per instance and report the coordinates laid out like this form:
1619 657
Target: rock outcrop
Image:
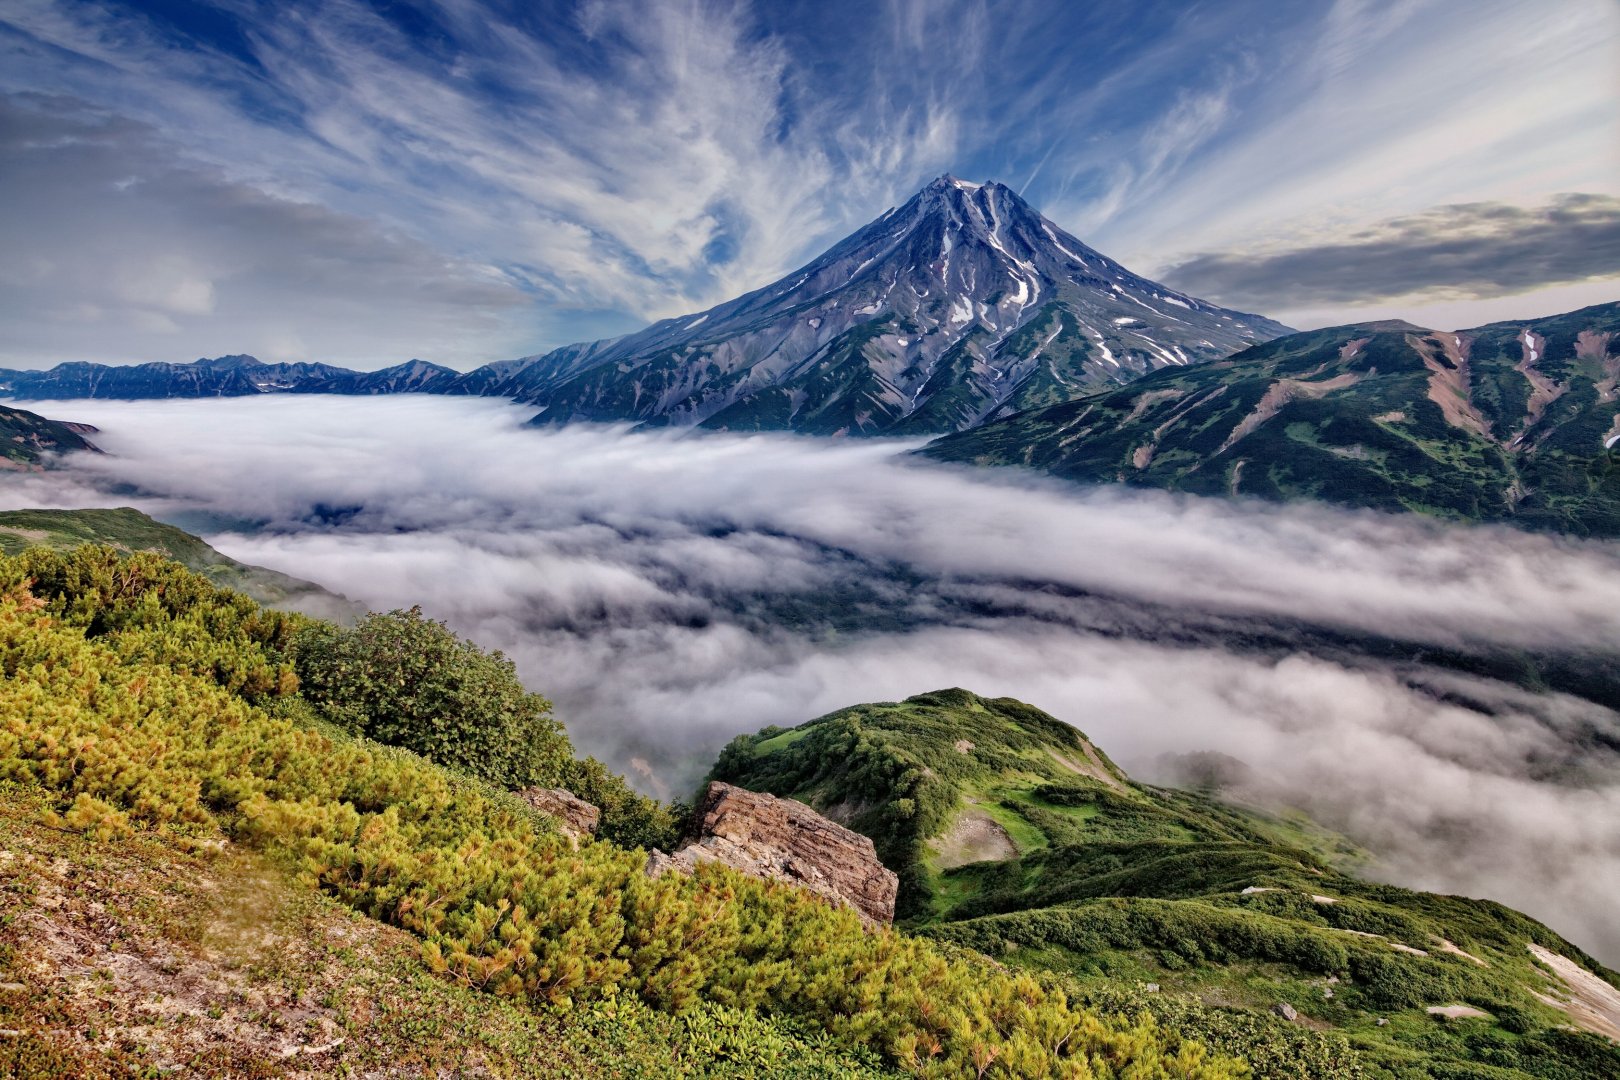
782 840
576 817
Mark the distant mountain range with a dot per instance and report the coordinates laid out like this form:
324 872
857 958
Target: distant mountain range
962 305
225 376
1508 422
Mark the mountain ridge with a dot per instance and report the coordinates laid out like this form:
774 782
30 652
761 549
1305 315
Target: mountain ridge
234 375
1016 836
1514 421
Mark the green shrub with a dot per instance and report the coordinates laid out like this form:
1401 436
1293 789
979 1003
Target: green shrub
403 679
406 680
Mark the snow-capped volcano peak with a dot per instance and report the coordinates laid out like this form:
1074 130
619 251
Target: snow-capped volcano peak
962 304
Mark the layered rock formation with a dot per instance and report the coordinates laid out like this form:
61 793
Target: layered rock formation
575 817
782 840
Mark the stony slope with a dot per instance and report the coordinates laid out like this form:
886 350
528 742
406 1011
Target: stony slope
1015 836
962 303
1509 422
127 530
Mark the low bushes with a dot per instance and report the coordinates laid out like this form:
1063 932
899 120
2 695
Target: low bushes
125 694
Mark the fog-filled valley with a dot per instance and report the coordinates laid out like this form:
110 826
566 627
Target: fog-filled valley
1435 692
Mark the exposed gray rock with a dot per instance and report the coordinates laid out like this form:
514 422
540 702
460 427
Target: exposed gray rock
1285 1010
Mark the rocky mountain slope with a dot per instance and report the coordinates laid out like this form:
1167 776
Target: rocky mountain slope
224 376
25 438
961 304
1511 422
1015 836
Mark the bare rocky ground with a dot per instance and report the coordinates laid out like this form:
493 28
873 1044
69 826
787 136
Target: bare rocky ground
1591 1003
973 837
136 958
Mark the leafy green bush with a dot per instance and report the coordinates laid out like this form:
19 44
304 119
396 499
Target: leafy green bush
403 679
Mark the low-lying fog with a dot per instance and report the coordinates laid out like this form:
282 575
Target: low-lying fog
668 592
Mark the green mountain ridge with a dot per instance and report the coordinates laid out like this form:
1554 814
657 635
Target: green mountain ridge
1016 837
1513 422
128 530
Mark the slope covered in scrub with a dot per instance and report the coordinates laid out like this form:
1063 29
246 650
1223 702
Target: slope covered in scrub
1106 881
128 530
155 957
141 700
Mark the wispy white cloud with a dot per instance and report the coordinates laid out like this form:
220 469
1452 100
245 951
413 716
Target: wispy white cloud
112 235
1397 108
627 159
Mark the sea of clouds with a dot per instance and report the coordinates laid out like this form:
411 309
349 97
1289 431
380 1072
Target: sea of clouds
669 591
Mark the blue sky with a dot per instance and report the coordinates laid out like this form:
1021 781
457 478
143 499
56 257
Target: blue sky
466 181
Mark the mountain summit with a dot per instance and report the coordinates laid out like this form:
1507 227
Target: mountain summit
961 305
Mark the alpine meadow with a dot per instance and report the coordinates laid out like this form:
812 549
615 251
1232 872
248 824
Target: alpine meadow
686 539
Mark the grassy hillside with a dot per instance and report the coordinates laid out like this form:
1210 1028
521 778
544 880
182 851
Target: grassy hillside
1509 422
1016 837
144 709
25 438
126 529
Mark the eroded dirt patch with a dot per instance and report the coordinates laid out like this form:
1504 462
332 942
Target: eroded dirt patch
1280 393
1446 357
973 837
1092 766
1590 1002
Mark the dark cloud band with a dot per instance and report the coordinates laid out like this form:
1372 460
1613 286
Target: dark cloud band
1463 252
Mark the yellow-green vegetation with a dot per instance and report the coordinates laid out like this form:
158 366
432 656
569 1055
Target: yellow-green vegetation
142 698
128 530
1220 907
174 953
